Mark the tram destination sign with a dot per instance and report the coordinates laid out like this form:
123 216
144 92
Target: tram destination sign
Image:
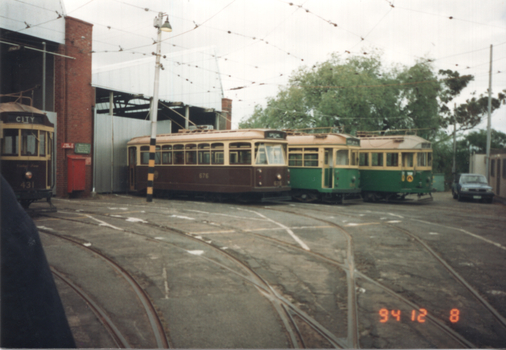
25 119
280 135
352 142
82 148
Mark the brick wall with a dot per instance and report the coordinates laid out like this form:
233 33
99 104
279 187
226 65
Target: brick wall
74 99
226 107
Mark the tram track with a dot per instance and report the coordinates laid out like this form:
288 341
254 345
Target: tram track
280 303
155 321
99 312
438 323
345 267
442 263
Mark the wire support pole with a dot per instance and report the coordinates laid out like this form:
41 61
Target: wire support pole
487 157
154 112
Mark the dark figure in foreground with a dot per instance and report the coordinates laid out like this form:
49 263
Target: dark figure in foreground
32 314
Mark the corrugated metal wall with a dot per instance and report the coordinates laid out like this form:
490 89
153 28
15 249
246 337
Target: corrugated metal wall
110 154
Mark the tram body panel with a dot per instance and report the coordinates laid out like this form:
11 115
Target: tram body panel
324 166
229 162
395 166
27 151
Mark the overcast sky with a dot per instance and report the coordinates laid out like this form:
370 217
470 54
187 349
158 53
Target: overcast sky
259 43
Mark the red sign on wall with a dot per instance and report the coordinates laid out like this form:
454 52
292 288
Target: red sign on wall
67 145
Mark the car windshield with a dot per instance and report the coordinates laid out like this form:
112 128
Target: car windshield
473 179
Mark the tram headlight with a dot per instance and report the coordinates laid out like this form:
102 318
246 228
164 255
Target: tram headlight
353 179
279 177
28 175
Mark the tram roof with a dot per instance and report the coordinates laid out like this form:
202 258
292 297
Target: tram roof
211 135
318 139
18 107
394 142
10 111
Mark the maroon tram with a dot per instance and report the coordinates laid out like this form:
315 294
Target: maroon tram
27 151
218 165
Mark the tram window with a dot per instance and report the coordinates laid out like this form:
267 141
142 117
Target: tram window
421 159
158 156
342 157
240 153
377 159
407 159
310 159
178 155
204 154
392 159
42 143
295 160
354 157
166 154
144 154
131 156
10 142
275 154
217 153
363 159
261 157
50 144
191 154
295 149
28 142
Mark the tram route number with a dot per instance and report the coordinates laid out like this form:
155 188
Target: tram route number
416 315
203 175
27 185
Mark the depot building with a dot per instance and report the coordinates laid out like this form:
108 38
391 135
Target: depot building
47 56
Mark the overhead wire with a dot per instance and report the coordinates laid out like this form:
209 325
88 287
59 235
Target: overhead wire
230 32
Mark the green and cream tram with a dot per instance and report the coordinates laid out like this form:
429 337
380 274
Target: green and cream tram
393 167
323 167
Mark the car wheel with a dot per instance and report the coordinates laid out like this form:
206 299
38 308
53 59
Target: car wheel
459 198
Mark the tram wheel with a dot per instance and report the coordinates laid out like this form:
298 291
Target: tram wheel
306 197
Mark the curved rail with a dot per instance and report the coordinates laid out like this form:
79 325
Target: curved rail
262 285
457 276
154 320
115 333
454 335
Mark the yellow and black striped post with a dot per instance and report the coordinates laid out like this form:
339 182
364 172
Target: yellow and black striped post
154 104
151 169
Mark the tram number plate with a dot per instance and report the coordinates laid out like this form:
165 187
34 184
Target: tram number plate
476 197
277 183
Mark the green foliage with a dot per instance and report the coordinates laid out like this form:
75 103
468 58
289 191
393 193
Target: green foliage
474 142
359 93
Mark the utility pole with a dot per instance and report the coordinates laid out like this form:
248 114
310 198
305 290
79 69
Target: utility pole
454 166
154 104
487 157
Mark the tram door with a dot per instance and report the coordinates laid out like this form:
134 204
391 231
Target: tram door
328 168
132 162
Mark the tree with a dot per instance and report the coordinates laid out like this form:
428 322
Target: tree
474 142
359 93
